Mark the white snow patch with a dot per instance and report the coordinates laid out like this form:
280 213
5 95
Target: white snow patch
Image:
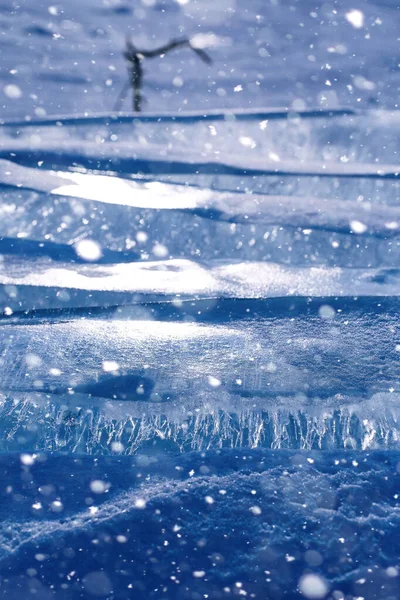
355 17
313 586
110 366
358 227
13 91
88 250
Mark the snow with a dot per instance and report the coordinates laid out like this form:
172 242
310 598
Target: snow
279 51
199 340
313 586
34 284
329 508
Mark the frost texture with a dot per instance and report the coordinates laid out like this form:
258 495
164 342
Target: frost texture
199 339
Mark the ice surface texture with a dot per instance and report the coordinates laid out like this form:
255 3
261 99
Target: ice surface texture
199 339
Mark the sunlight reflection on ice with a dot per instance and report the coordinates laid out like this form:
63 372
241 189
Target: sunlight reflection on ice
246 279
114 190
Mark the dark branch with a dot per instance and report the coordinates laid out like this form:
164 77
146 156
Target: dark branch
135 57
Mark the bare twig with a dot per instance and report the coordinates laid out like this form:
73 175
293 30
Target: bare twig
135 58
122 97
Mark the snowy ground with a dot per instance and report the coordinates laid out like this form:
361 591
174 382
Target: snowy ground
66 57
199 340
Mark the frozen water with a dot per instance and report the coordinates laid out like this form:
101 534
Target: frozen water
199 339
